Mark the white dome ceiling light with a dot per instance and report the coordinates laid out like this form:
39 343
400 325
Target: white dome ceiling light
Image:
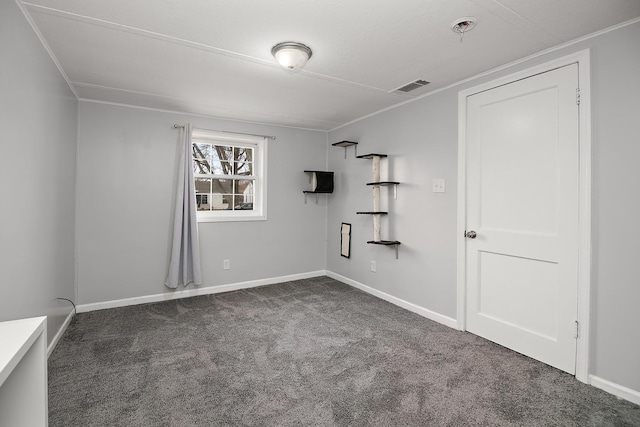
291 55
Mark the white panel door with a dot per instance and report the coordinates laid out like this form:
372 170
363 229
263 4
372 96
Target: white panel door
522 204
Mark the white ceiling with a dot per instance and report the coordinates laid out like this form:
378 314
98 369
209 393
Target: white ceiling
213 57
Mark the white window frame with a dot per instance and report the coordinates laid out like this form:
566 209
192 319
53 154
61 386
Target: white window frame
260 149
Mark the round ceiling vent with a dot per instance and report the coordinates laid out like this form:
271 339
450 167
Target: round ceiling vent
463 25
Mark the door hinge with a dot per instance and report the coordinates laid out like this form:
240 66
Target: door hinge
578 96
576 334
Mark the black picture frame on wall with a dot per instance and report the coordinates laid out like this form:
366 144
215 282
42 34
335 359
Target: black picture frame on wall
345 240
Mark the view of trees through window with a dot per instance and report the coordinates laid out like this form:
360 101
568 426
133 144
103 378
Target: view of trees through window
224 176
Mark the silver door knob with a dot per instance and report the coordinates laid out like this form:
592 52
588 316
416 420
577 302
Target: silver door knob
470 234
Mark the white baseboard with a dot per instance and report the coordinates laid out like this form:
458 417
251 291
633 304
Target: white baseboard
431 315
83 308
615 389
59 334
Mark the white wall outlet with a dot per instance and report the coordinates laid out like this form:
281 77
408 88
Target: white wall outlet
226 264
373 266
438 185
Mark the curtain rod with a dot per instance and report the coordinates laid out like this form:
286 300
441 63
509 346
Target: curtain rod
176 126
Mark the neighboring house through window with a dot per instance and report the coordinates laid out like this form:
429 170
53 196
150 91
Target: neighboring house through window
230 176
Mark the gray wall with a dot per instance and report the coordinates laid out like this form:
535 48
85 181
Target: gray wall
616 205
126 181
38 118
421 139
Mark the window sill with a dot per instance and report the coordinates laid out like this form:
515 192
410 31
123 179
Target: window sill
235 218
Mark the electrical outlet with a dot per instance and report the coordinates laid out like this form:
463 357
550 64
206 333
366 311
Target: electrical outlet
438 185
373 266
226 264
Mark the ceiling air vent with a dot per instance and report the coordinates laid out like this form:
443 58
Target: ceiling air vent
411 86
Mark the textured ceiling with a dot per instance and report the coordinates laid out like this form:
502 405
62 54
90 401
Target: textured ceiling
213 57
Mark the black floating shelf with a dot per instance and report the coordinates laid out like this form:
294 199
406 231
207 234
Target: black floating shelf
318 171
393 243
372 213
347 144
383 183
317 192
384 242
370 156
344 144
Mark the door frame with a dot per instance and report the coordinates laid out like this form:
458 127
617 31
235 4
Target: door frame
582 58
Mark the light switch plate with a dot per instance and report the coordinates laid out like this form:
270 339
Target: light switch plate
438 185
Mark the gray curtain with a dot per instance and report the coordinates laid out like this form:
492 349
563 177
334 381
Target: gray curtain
184 267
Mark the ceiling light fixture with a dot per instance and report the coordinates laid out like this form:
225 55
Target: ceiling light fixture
291 55
463 25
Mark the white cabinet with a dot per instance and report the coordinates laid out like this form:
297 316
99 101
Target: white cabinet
23 373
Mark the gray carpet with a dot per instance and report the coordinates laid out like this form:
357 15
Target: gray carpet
313 352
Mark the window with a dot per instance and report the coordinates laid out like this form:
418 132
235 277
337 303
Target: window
229 171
